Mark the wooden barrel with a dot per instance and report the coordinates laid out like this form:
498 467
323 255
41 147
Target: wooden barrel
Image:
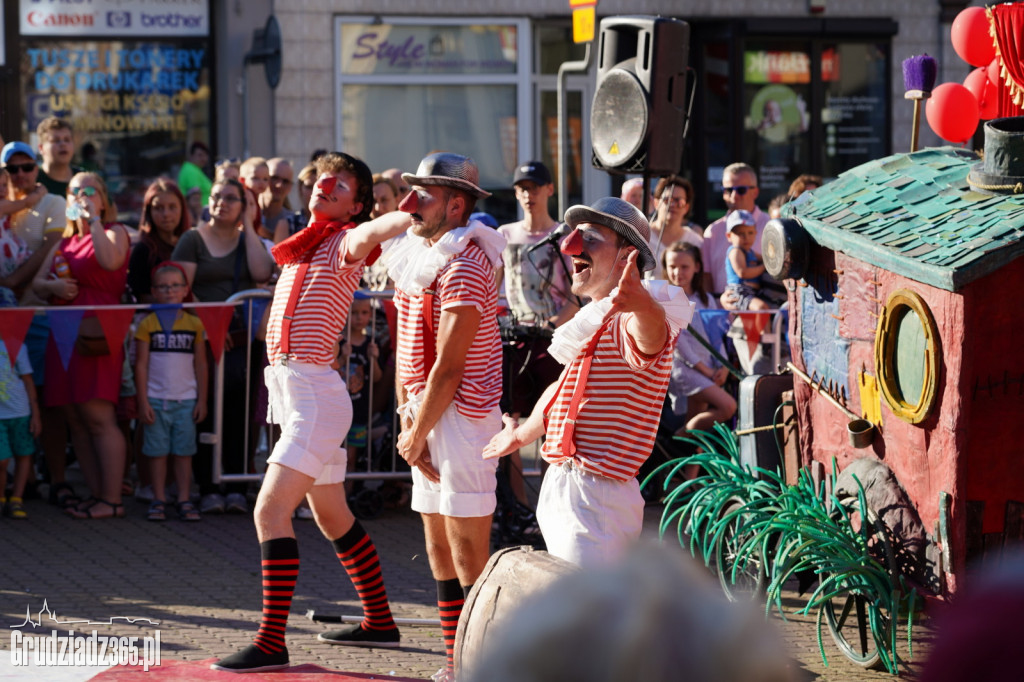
511 574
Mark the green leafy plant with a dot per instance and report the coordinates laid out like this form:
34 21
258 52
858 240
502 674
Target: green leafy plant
744 519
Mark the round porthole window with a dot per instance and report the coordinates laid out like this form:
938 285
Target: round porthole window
907 356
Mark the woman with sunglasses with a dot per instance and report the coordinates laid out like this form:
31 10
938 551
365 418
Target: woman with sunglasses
671 224
91 271
221 257
165 218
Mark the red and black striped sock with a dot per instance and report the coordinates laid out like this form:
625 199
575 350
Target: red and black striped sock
280 571
450 599
358 555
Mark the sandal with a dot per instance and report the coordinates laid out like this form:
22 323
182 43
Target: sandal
188 512
14 509
66 501
127 487
116 510
84 505
157 511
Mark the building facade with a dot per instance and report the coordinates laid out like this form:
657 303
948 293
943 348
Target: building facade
789 86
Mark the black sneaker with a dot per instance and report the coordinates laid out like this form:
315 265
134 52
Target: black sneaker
252 660
356 635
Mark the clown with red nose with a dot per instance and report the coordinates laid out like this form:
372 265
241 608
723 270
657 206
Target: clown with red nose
600 417
449 371
321 268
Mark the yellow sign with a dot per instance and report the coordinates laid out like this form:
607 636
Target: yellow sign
583 24
614 151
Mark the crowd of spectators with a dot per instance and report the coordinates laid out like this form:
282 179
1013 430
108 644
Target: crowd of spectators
61 244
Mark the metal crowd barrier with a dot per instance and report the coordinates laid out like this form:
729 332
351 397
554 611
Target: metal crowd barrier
377 465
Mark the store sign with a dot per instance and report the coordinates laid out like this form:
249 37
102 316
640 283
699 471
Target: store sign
123 18
114 86
380 49
763 66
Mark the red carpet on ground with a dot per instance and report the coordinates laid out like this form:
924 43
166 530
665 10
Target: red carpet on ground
200 670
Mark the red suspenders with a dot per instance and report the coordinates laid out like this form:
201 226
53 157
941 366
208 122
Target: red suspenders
289 309
569 427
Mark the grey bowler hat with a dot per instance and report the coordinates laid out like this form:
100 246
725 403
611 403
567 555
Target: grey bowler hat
449 170
620 216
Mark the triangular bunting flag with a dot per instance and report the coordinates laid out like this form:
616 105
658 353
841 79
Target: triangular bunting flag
64 328
716 325
115 323
216 320
14 324
753 325
166 313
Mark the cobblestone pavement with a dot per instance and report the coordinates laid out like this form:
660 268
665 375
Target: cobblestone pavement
200 581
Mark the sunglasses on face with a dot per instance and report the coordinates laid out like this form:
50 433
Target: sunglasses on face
740 190
14 168
79 191
227 198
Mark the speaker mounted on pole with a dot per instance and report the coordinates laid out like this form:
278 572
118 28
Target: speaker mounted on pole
638 116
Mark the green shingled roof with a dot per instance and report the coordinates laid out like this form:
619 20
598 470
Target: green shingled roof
915 215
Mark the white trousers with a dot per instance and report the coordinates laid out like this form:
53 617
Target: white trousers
456 445
588 519
312 405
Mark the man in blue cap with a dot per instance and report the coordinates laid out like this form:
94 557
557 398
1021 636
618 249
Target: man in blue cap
40 226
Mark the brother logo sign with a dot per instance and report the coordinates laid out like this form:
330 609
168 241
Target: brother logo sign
173 20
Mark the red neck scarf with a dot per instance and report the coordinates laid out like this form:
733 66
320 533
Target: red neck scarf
301 245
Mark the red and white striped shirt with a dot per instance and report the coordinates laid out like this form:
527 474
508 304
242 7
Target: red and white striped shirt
323 304
468 279
621 405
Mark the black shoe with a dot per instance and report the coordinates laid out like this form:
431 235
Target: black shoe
252 660
356 635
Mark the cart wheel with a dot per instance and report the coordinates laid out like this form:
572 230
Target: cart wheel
847 614
850 627
366 504
750 578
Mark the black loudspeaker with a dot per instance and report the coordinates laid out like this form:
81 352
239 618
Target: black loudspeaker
638 116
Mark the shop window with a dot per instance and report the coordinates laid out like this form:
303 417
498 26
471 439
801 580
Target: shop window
408 86
776 114
139 103
380 123
856 113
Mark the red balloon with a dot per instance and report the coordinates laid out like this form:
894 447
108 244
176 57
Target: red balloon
983 90
971 37
952 112
994 67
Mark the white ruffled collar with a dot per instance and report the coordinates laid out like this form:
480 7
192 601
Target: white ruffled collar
413 263
572 337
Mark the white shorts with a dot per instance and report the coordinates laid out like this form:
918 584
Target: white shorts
312 405
456 445
588 519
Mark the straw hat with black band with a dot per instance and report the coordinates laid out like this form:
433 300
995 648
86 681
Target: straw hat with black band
448 170
621 217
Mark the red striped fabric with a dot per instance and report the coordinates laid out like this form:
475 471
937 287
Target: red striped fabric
468 279
363 568
621 406
322 307
276 603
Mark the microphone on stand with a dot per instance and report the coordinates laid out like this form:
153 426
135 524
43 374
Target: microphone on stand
556 236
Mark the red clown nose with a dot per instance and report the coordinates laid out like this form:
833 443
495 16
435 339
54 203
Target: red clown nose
410 204
326 184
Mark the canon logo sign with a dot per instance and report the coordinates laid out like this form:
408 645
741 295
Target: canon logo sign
45 19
